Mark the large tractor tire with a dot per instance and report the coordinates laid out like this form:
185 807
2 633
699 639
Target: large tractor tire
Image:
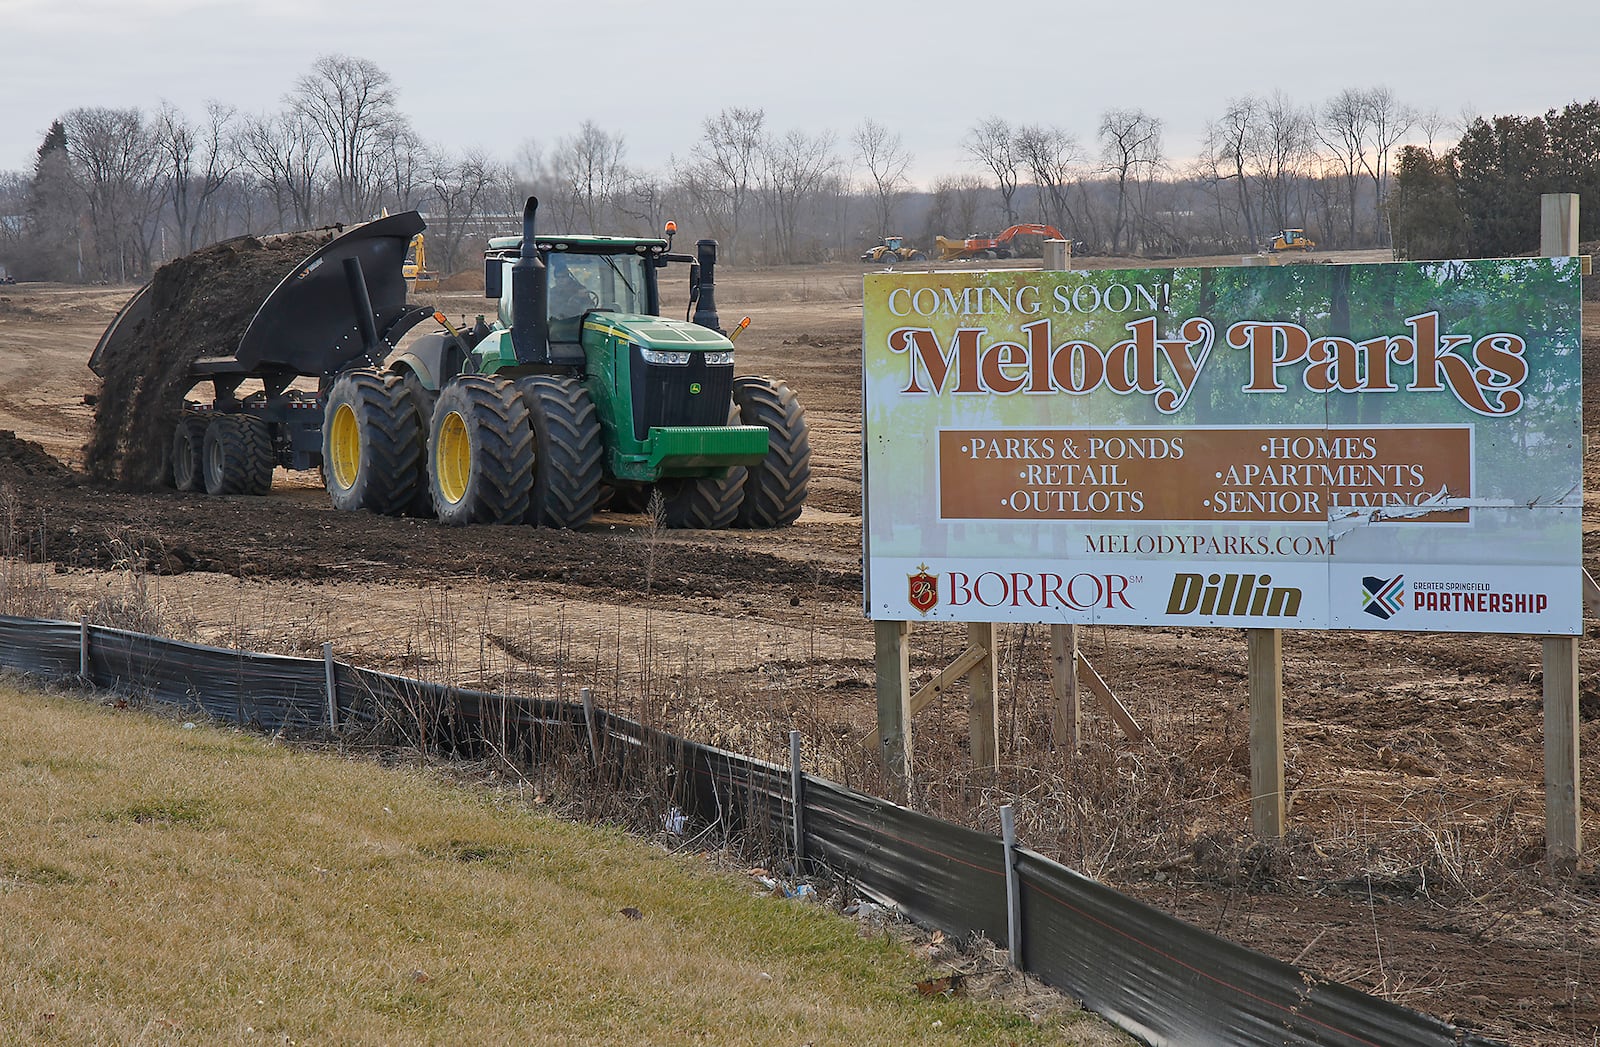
188 451
567 451
373 444
480 452
775 487
238 458
708 502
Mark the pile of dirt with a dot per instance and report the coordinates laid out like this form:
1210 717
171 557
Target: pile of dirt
19 457
469 281
200 305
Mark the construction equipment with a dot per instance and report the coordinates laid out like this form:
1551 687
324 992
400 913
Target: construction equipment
418 276
982 246
1291 240
579 389
892 250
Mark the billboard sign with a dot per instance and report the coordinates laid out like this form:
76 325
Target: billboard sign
1394 446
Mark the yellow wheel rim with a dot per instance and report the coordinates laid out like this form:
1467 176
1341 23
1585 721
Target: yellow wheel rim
344 447
452 458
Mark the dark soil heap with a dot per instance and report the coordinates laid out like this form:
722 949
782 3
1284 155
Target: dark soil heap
200 305
21 458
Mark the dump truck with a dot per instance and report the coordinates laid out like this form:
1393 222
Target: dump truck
578 393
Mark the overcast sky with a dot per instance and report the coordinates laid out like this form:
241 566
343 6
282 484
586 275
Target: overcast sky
497 73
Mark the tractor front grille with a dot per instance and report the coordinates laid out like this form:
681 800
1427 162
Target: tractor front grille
666 395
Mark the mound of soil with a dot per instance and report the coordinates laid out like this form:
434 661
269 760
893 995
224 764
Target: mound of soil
19 457
200 305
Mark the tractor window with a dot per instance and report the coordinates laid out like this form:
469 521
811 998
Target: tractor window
582 282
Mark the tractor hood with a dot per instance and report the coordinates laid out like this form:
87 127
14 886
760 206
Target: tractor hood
656 332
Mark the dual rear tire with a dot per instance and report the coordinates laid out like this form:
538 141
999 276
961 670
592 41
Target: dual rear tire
222 454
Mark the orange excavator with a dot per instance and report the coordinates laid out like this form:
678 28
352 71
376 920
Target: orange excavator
992 246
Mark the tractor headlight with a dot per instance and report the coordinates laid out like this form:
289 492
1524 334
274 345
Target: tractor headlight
663 356
724 357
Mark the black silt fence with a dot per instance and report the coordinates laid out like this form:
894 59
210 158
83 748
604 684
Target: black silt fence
1151 974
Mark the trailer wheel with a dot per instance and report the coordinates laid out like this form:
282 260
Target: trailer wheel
707 502
188 452
775 489
372 443
238 455
480 452
566 451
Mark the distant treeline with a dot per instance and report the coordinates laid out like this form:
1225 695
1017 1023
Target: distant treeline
115 192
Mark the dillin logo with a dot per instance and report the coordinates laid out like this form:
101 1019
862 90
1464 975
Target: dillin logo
1383 597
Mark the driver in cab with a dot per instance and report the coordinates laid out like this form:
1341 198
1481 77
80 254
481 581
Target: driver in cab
569 298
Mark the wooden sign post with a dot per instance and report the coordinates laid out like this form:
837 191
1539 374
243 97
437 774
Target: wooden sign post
1563 818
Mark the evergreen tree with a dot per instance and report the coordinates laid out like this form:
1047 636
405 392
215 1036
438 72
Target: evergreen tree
50 239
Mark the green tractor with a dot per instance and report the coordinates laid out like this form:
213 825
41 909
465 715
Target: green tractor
579 396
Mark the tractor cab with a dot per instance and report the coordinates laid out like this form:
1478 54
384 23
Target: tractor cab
581 275
893 243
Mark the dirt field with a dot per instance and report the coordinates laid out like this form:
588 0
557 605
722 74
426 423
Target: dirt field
1414 868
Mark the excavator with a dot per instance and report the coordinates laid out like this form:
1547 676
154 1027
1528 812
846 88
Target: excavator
992 246
417 275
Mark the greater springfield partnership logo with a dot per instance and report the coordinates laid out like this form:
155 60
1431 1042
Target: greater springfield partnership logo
1474 598
1042 589
1383 597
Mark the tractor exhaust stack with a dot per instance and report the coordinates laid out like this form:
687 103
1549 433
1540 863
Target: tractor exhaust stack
705 306
530 329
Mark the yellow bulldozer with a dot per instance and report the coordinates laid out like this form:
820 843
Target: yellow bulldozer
1291 240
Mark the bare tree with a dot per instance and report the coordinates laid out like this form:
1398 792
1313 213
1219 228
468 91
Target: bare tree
198 161
642 202
117 164
1279 152
994 145
400 166
1051 157
1229 140
589 164
351 105
1387 122
287 157
1343 130
724 171
796 167
886 159
956 204
458 189
1130 144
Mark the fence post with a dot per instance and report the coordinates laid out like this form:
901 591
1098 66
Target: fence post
83 648
587 694
1008 835
797 800
331 686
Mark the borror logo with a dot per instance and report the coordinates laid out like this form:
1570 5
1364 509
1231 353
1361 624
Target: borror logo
923 589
